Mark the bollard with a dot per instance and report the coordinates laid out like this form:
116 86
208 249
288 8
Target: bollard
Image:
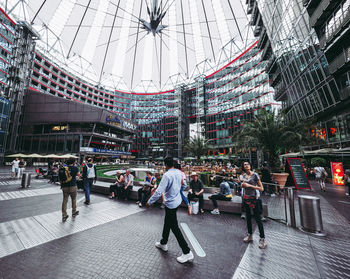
290 194
310 215
26 180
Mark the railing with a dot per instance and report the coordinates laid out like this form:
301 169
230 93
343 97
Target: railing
338 25
339 61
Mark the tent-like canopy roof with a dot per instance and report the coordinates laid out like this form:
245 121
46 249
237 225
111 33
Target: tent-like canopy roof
137 45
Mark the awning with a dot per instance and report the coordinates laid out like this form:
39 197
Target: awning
21 155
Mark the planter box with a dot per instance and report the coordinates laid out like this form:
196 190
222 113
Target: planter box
280 178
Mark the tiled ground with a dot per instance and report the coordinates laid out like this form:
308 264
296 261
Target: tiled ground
113 239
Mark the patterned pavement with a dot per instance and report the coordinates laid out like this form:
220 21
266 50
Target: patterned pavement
114 239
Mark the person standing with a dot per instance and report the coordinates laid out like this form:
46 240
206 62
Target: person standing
266 179
15 168
22 164
250 183
347 181
321 176
171 184
67 177
89 177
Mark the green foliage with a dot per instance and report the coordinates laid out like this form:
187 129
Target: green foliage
272 135
197 146
318 161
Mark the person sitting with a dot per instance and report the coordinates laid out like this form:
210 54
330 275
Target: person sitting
145 192
224 194
113 189
196 190
129 183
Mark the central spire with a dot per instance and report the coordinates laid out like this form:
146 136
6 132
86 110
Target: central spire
155 17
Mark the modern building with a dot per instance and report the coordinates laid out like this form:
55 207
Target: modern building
56 125
331 21
301 70
7 40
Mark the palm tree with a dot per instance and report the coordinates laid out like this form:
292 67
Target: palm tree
270 133
198 146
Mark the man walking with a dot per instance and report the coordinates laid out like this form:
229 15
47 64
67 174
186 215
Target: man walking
15 168
67 176
171 184
89 177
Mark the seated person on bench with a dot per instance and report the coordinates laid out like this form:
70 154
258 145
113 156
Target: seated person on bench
196 190
224 194
145 192
113 189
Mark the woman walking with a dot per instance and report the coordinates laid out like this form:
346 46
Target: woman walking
251 183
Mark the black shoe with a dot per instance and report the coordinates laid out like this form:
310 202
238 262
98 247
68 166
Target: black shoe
76 213
64 219
87 202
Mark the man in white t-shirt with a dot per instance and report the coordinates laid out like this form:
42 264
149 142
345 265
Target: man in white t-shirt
15 167
321 175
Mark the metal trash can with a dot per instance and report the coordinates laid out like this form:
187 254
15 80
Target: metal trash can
310 214
26 179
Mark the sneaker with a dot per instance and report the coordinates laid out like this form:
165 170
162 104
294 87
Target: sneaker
76 213
273 195
140 204
162 206
263 219
215 211
346 194
248 238
243 215
185 258
262 243
111 197
64 219
86 202
163 247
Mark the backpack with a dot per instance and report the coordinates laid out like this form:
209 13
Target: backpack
64 175
90 171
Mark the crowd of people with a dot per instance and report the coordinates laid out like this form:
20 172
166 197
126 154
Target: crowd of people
168 187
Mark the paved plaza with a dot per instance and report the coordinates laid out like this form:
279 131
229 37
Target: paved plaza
114 239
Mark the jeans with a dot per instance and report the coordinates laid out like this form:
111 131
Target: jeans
125 193
219 197
184 197
72 192
170 223
257 217
20 172
191 197
143 198
87 187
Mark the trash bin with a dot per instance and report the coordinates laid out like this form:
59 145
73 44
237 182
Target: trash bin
26 179
310 214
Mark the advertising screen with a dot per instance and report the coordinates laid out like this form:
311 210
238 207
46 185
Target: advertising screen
337 173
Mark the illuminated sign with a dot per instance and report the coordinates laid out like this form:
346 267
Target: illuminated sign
59 128
321 133
337 173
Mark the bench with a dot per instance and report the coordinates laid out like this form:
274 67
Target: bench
102 187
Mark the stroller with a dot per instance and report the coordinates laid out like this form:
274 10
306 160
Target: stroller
40 172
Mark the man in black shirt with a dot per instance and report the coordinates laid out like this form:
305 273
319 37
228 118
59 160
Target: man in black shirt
70 189
196 190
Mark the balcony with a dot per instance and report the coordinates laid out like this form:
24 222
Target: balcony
345 93
340 24
322 12
339 62
280 95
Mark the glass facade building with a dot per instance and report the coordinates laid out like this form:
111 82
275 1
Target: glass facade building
299 69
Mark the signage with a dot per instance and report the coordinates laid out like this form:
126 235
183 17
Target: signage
115 121
337 173
103 151
297 174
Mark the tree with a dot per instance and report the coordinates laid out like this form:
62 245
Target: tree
270 133
197 146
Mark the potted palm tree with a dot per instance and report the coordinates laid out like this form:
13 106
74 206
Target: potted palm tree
269 132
